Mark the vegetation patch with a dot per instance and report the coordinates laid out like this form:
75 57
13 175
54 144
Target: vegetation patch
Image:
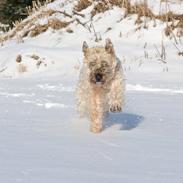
30 27
100 7
56 24
82 4
38 29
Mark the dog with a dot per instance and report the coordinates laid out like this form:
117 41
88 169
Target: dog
101 84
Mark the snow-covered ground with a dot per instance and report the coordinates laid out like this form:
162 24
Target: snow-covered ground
43 139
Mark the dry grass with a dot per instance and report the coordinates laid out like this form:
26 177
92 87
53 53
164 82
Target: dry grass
56 24
142 10
35 57
39 61
69 30
82 4
168 31
180 24
26 26
29 27
37 5
116 2
38 29
19 58
22 68
100 7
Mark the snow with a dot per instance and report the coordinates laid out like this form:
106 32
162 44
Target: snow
155 90
43 139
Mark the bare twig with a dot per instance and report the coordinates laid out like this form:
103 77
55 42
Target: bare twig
162 60
95 34
83 24
180 53
64 13
163 51
79 14
157 50
162 55
2 70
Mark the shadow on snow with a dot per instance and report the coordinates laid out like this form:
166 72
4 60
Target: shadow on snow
127 121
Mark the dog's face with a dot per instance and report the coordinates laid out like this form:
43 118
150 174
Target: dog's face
100 61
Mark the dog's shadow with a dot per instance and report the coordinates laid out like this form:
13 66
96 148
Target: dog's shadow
126 121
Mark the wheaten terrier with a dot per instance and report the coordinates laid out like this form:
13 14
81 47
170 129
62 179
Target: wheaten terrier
101 85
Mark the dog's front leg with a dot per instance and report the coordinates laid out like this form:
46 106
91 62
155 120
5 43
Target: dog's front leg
96 111
116 94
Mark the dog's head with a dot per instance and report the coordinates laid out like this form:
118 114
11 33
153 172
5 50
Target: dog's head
100 62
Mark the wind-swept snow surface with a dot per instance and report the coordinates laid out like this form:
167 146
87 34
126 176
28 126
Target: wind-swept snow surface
43 139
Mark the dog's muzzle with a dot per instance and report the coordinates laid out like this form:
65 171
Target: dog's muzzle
98 77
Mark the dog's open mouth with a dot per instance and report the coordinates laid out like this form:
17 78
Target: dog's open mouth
99 83
97 79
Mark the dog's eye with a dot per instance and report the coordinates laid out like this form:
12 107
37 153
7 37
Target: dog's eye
104 64
92 64
103 69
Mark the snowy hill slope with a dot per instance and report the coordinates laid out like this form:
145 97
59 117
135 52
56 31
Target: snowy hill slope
42 137
53 28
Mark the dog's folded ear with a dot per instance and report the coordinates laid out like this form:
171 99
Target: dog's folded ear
85 47
109 46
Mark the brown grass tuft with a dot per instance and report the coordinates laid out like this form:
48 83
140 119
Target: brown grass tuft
35 57
69 30
22 68
38 29
168 31
56 24
37 5
116 2
19 58
29 26
82 4
100 7
142 10
180 24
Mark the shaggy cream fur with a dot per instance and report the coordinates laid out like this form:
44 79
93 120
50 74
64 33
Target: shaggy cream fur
101 84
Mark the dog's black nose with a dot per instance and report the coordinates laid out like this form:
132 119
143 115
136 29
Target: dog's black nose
98 77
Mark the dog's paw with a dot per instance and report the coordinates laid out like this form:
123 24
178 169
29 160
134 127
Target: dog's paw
115 108
96 128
